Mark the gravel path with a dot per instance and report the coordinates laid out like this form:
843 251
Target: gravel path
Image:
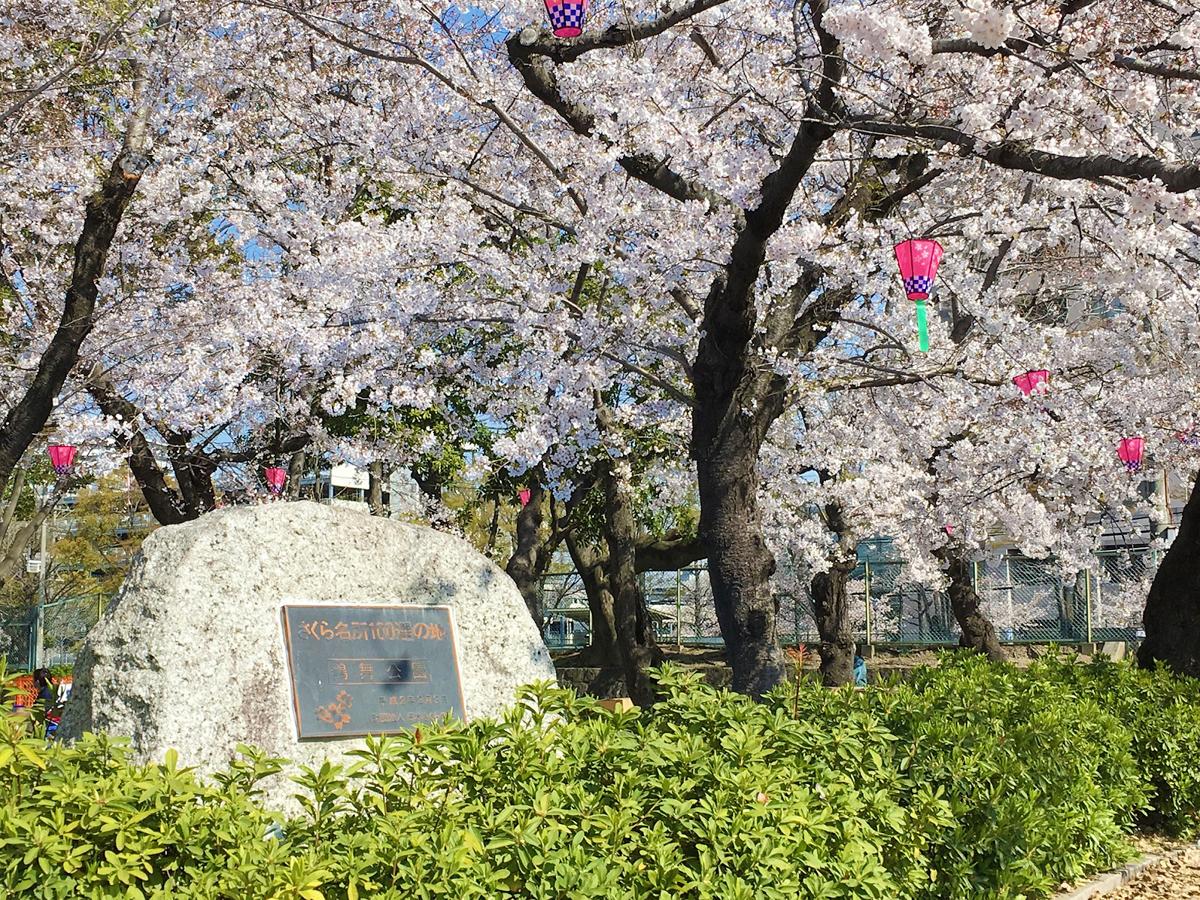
1176 879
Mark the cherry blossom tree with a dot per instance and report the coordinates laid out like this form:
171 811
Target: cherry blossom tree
59 134
685 217
740 172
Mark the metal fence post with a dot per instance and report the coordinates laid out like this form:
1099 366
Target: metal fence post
1008 584
867 598
1087 603
678 609
39 622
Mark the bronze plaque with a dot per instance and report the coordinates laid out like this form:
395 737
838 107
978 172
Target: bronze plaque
358 670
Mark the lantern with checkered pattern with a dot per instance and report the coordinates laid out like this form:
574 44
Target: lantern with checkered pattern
276 479
62 458
918 261
566 17
1130 451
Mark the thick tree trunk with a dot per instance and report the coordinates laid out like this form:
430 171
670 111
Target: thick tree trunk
523 567
736 397
103 214
296 464
193 473
831 609
166 505
375 481
1077 602
589 564
1172 614
977 631
635 632
739 564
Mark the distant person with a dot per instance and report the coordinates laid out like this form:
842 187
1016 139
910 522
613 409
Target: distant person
43 684
47 700
860 671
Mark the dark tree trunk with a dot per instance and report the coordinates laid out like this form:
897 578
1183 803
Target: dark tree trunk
589 564
523 567
103 214
376 476
193 474
831 610
736 402
296 464
636 645
1172 615
320 492
977 631
166 505
494 526
602 652
740 566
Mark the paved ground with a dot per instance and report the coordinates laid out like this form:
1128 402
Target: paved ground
1177 879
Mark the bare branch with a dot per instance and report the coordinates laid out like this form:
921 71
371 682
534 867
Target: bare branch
563 51
1019 156
1158 70
542 82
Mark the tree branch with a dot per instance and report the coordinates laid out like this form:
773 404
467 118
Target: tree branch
541 81
1018 156
166 504
564 51
1158 70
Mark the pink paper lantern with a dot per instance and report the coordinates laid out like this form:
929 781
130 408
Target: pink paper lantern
566 17
918 261
1036 380
276 479
62 457
1191 437
523 495
1130 450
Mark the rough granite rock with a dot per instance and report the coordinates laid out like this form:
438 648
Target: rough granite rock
190 654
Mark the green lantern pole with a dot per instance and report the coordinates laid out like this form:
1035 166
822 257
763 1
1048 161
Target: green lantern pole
922 327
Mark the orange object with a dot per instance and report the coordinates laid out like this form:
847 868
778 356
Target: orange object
25 695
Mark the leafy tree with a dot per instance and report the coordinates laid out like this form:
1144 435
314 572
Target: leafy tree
103 533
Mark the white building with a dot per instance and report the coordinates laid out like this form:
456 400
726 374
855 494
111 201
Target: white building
349 486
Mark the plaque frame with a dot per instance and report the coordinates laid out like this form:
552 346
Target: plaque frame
294 700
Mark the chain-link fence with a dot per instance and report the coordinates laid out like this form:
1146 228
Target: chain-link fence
63 625
1028 600
16 643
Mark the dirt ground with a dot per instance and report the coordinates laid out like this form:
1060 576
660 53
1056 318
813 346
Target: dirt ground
1174 879
885 657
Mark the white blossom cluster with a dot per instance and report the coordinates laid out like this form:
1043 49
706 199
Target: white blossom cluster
323 228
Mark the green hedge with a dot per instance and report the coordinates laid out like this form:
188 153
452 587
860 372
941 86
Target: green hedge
1162 716
972 780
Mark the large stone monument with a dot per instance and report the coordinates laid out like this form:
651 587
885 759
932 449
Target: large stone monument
297 627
